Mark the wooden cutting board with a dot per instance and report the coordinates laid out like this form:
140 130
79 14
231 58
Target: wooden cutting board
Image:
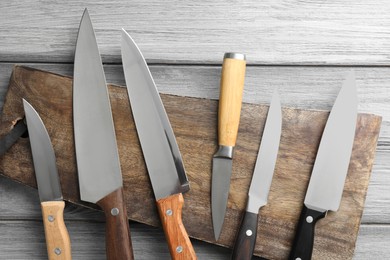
194 122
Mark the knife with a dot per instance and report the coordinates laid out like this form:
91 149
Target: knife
159 147
330 169
98 165
49 188
231 89
261 181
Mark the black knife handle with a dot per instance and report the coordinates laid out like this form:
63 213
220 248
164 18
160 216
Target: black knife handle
246 237
304 237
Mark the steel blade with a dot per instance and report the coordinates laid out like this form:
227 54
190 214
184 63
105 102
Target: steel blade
266 157
159 147
44 159
96 149
331 165
221 173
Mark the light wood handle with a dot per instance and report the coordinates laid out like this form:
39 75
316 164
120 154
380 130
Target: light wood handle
57 237
179 243
231 89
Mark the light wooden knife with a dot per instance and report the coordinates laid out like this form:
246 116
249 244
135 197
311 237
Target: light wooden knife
49 189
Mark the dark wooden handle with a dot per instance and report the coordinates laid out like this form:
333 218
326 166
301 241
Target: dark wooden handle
118 241
179 243
246 237
304 237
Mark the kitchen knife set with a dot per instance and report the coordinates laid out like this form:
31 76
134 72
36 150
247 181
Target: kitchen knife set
99 171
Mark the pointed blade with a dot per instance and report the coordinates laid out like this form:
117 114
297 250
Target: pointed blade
266 157
221 173
331 165
44 159
96 149
159 147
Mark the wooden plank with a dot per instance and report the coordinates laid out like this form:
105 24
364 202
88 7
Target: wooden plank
373 242
194 122
269 32
88 241
299 87
307 88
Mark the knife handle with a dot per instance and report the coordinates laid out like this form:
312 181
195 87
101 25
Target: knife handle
246 238
304 237
57 236
179 243
118 240
230 99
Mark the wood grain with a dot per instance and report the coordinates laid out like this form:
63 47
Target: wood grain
118 240
170 211
230 100
297 152
269 32
57 236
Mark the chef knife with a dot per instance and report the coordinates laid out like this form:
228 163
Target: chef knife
98 165
49 189
261 181
231 89
159 147
330 169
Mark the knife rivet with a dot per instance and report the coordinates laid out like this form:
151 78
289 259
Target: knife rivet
57 251
179 249
248 233
309 219
169 212
50 218
115 211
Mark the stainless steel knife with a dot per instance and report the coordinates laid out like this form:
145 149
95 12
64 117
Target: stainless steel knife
261 181
231 89
98 165
49 188
330 169
159 147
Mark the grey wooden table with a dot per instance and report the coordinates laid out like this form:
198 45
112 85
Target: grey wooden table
303 48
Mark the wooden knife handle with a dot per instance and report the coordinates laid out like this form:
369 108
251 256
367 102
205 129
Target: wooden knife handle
304 237
246 238
230 99
57 237
118 240
179 243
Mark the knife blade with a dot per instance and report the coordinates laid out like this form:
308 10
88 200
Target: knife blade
231 89
98 165
49 188
330 169
261 180
161 152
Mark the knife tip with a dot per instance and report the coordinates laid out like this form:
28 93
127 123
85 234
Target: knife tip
85 12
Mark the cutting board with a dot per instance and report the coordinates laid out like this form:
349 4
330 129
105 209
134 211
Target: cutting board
194 122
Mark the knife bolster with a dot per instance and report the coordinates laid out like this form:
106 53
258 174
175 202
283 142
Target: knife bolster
118 240
57 236
224 152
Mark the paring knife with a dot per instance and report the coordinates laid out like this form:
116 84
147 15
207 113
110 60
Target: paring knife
159 147
98 165
49 188
231 89
330 169
261 181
